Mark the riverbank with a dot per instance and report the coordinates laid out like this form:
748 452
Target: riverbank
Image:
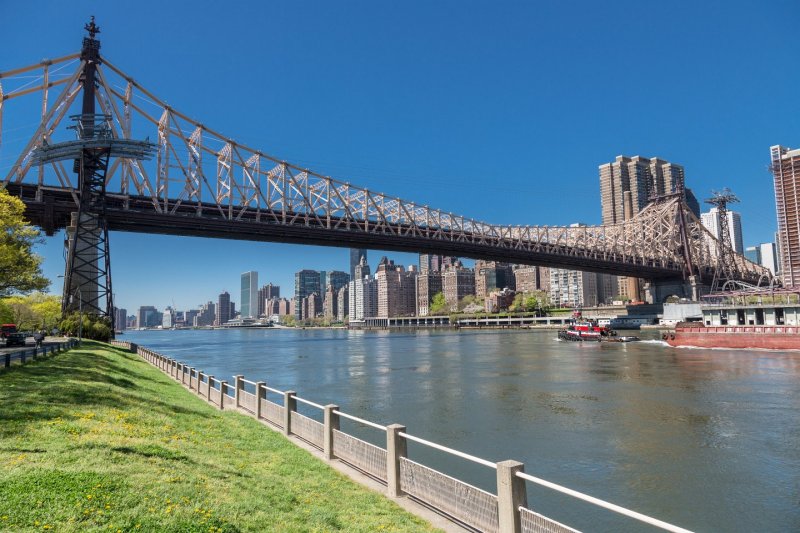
96 438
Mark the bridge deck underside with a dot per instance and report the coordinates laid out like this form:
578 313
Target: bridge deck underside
50 209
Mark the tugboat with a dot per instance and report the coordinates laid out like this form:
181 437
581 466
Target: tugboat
588 330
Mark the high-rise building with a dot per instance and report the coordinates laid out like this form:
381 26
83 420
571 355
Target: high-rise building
786 175
306 282
357 255
491 276
573 288
206 315
249 302
430 263
337 279
361 270
188 316
148 317
168 318
363 298
120 318
457 282
223 309
267 292
626 187
330 303
712 223
343 304
528 279
428 285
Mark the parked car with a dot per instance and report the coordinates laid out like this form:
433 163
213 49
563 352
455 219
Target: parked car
7 329
15 339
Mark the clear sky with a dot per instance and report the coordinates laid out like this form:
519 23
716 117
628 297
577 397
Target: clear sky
500 111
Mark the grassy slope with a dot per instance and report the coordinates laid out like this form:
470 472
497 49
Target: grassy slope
97 439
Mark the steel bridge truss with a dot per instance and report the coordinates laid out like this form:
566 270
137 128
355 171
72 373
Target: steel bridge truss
200 171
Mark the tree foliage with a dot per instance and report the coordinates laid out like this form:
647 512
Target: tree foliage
32 312
438 304
94 327
20 268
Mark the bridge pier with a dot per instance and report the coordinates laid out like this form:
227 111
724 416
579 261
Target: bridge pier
81 282
659 290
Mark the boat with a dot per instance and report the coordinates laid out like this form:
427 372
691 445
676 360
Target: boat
589 330
767 319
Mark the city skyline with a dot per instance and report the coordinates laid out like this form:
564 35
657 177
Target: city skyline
504 153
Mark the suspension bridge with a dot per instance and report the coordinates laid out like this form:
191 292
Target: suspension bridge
104 153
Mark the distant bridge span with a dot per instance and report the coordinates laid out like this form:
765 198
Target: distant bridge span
201 183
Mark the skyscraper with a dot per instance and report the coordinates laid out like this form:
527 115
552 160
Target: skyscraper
626 186
267 292
249 302
356 256
223 309
713 223
306 282
786 174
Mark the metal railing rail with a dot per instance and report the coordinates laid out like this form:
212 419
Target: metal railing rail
602 503
22 355
508 510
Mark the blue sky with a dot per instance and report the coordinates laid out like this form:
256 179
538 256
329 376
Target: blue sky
500 111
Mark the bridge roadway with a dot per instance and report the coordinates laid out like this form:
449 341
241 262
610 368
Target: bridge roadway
52 212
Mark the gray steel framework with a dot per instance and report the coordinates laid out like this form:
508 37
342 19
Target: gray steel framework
206 184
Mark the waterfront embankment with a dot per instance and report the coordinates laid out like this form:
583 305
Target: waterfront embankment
96 438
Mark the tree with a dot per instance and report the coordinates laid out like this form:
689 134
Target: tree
20 268
94 327
438 304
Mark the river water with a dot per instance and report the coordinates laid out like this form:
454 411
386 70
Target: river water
708 440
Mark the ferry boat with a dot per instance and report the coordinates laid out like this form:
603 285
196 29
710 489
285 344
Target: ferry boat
768 319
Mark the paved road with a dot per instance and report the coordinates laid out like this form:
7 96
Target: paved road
29 343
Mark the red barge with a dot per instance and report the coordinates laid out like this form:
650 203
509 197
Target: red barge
744 319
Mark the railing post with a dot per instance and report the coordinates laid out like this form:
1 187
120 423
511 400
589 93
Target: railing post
511 495
331 423
289 405
22 357
223 388
259 391
8 360
238 384
192 372
396 447
210 387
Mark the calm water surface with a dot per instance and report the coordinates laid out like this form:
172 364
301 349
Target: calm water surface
706 439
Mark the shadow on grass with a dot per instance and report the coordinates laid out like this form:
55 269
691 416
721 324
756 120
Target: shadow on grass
152 450
64 384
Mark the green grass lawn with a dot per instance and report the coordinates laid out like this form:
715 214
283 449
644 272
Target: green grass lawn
96 439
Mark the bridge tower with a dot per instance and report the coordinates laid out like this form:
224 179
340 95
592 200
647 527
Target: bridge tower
726 267
87 275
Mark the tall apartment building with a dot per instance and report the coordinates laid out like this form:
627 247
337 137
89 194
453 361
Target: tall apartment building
626 186
267 292
491 276
206 315
786 175
148 316
763 254
120 318
430 263
343 303
337 280
188 316
361 270
249 302
573 288
363 298
330 303
429 284
457 282
223 308
357 255
168 318
712 223
306 282
396 290
528 279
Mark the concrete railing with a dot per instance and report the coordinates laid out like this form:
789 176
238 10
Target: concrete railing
506 511
23 356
